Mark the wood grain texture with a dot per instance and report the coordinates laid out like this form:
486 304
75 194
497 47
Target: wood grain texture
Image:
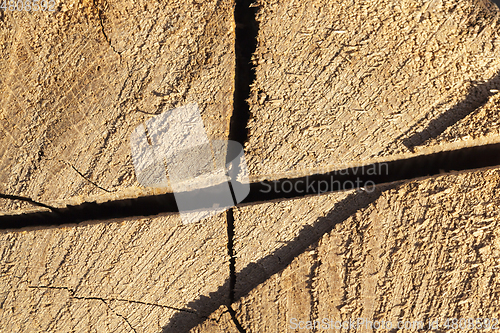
422 250
482 124
75 83
338 83
218 322
343 83
122 276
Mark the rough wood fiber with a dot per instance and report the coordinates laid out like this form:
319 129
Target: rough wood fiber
219 322
281 223
124 276
76 82
482 124
341 83
423 250
357 77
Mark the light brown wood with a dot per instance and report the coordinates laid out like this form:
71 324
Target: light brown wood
338 83
124 276
482 125
343 83
424 250
75 83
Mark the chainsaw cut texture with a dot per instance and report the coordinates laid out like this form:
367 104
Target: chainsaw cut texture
482 125
338 83
423 250
130 275
76 82
346 83
219 322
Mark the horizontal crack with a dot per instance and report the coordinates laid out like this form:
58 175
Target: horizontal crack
73 295
25 199
360 178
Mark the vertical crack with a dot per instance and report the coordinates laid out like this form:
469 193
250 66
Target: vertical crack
230 253
246 31
235 319
101 24
232 268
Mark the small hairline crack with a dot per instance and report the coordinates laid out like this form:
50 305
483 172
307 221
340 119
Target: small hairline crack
83 176
73 295
26 199
101 24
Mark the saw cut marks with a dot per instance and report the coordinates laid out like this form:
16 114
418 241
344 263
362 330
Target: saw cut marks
75 84
345 83
423 250
128 274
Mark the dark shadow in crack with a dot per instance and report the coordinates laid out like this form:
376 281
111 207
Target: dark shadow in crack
479 157
478 95
256 273
246 31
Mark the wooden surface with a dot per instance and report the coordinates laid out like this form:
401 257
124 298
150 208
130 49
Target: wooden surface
341 83
482 125
392 254
337 83
73 90
219 322
418 251
123 276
